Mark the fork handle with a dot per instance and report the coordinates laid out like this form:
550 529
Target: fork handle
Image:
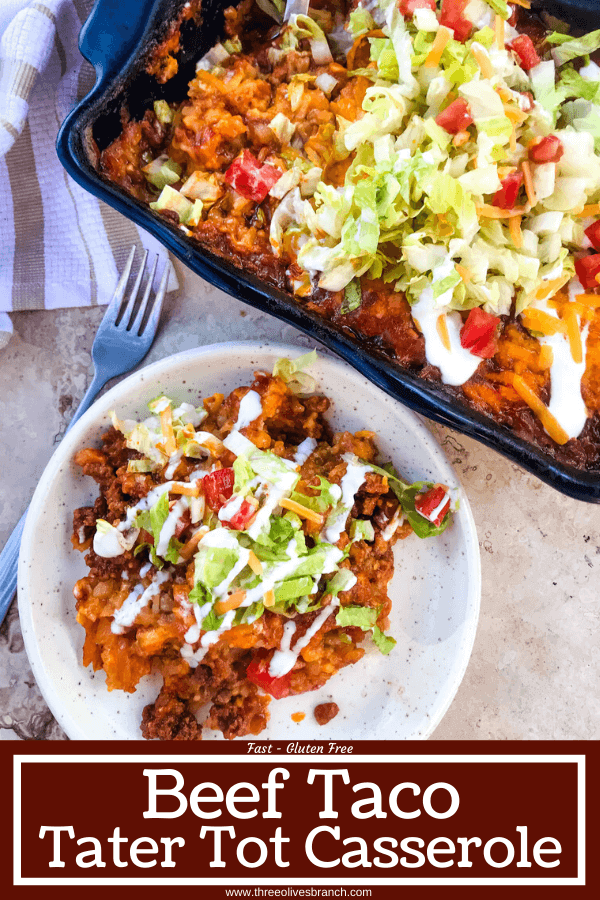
9 558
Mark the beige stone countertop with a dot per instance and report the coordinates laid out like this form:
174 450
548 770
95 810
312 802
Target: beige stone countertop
534 672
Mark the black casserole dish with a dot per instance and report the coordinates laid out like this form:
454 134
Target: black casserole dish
124 41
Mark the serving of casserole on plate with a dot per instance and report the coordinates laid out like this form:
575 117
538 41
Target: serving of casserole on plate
421 177
240 549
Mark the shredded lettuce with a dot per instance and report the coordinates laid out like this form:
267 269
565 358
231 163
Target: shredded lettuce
163 112
292 371
162 171
575 47
384 642
292 588
343 580
352 297
213 564
360 22
152 520
211 622
572 84
362 530
305 27
358 616
500 7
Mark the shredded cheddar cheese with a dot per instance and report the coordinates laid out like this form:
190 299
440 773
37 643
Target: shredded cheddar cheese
464 273
166 426
499 32
442 37
573 333
255 563
546 357
495 212
269 598
514 228
232 602
556 432
591 300
586 212
442 329
483 61
185 487
461 138
301 511
538 320
528 179
187 551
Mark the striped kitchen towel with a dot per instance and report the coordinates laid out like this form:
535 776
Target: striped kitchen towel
59 246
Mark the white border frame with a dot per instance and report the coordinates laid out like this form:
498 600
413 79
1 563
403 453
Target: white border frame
279 759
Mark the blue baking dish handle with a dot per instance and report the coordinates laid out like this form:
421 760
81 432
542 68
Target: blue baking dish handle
111 33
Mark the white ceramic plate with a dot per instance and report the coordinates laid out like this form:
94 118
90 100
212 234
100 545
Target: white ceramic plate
435 590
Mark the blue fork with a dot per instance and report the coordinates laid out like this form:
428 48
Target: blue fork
123 339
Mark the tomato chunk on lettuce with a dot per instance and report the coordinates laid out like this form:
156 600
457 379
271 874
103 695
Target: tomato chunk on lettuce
258 673
588 271
434 505
592 233
407 7
524 48
218 487
455 117
549 149
250 179
506 196
478 334
452 16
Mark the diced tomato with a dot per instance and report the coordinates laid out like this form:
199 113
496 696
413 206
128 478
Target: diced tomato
592 233
525 50
587 269
455 117
478 334
242 518
549 149
528 101
407 7
218 487
250 179
258 673
451 16
506 197
427 504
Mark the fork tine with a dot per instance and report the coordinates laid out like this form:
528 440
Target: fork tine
110 316
127 317
153 318
135 327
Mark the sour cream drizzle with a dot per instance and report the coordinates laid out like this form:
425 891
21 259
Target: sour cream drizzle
304 450
135 602
250 409
457 364
351 482
566 403
168 529
284 659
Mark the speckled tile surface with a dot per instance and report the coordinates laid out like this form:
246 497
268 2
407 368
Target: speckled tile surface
535 668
